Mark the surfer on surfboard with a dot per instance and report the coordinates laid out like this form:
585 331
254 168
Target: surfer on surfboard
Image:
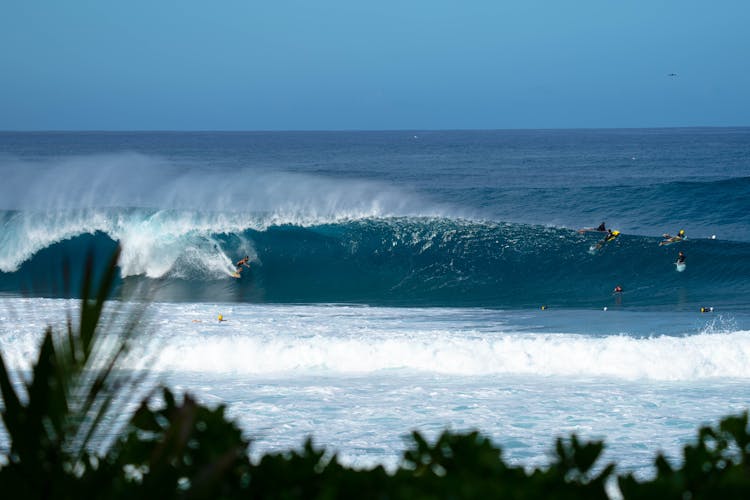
611 235
672 239
680 262
240 263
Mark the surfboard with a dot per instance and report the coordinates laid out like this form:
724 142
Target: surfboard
670 239
680 266
235 275
600 244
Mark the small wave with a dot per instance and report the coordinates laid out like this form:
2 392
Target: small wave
335 340
660 358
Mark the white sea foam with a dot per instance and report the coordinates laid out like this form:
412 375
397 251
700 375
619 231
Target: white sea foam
359 378
286 340
270 340
661 358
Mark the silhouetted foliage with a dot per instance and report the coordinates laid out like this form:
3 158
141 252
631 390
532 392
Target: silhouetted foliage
717 466
181 449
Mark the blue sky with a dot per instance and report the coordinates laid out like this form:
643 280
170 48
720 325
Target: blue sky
347 64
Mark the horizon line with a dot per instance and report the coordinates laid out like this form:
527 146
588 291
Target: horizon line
519 129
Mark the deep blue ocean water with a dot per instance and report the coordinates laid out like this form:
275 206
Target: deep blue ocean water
397 278
464 218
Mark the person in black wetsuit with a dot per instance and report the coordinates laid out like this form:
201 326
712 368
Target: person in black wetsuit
681 258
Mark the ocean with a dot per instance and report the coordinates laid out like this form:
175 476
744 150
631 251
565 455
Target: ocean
405 280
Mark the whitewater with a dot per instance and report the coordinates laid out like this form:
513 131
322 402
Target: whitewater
405 280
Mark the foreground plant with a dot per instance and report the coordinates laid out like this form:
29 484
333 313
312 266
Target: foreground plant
75 390
71 437
716 466
69 431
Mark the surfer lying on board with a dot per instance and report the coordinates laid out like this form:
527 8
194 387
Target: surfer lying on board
672 239
611 235
602 228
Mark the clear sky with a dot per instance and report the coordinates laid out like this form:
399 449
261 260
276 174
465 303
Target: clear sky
386 64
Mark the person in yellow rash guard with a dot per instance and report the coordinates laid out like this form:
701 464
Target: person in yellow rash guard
611 235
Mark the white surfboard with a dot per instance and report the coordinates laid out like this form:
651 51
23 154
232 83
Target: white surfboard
680 266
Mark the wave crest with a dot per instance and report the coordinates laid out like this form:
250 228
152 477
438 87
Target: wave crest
397 261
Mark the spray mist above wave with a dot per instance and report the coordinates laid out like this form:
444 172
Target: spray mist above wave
128 180
181 207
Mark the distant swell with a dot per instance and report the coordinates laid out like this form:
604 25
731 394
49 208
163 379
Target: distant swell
420 261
